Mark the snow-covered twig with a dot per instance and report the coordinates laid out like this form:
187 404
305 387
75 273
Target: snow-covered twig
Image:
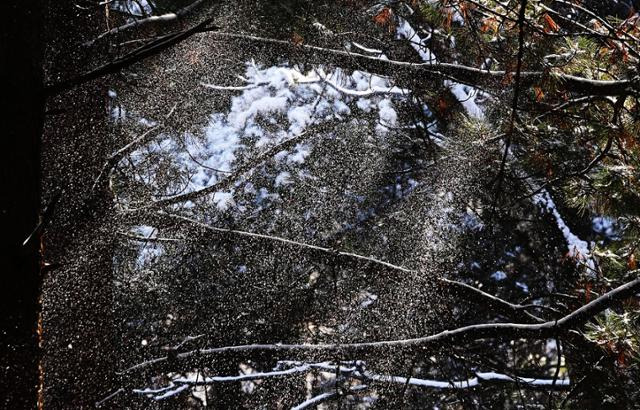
374 90
314 400
171 393
164 18
109 397
324 397
139 238
356 370
186 340
578 248
527 382
158 390
366 49
232 88
242 377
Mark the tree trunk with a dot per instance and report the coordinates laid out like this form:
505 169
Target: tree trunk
22 111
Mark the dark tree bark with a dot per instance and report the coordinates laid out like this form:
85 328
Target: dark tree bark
21 110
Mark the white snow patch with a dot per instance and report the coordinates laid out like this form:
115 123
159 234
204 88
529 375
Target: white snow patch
605 226
578 249
404 30
302 151
367 298
283 178
276 104
499 275
364 104
466 95
523 286
223 200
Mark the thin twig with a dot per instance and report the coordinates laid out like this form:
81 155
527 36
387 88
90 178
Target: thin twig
139 54
164 18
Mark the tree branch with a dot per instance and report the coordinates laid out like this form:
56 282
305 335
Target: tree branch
139 54
463 334
464 74
511 309
114 158
514 104
164 18
355 369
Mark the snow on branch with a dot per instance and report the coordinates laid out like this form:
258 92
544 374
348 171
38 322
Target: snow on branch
356 369
231 87
199 381
472 76
367 49
353 370
465 95
578 249
373 90
481 377
324 397
314 400
320 76
171 393
164 18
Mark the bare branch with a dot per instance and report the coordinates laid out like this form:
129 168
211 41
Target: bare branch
164 18
139 54
493 301
114 158
463 334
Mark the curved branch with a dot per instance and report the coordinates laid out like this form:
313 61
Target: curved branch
459 335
